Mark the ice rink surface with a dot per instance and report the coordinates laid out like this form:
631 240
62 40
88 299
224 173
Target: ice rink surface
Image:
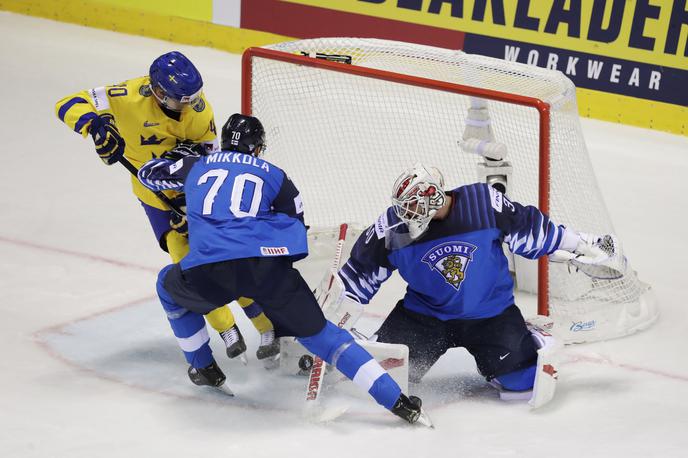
90 368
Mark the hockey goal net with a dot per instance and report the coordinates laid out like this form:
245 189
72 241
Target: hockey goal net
345 116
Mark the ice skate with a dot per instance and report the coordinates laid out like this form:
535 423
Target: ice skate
210 375
269 346
234 342
409 408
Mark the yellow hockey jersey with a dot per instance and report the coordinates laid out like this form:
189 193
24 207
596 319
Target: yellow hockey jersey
146 129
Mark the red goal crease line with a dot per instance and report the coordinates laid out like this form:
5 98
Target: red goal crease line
542 107
583 358
76 254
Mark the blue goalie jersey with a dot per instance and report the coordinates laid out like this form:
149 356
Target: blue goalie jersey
238 206
457 269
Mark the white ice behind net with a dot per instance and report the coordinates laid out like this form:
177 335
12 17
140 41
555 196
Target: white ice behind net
345 138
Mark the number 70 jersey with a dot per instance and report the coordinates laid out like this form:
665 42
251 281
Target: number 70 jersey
238 206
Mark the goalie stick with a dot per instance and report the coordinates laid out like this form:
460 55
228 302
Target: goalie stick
318 369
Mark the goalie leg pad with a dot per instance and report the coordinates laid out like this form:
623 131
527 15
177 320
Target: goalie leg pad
547 364
535 384
336 346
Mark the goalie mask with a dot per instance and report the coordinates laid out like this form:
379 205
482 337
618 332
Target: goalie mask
416 197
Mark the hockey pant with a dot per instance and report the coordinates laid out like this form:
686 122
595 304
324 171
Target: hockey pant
221 319
177 245
501 345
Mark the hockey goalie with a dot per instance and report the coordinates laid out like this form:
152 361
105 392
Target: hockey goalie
447 247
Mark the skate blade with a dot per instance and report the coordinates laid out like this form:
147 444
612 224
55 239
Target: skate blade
224 389
272 363
243 359
424 419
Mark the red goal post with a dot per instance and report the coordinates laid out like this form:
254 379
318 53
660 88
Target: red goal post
287 81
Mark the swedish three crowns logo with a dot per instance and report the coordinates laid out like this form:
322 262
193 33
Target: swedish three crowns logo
450 260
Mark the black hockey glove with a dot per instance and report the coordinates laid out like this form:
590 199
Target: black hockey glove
109 143
183 150
178 222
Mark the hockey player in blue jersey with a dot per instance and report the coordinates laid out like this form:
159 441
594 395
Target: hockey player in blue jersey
246 228
447 246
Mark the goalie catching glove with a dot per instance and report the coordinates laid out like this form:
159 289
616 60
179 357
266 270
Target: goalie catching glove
107 139
598 256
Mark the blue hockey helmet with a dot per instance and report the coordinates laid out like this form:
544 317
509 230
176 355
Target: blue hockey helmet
244 134
175 81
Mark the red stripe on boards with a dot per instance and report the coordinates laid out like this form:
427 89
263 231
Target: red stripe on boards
302 21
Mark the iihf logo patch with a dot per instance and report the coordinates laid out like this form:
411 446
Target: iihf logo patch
451 260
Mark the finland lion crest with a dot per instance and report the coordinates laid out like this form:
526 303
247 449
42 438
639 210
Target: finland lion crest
451 260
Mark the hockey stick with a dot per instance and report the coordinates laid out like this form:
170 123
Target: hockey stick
318 369
163 198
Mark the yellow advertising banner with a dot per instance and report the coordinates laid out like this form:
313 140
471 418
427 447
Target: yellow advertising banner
199 10
649 31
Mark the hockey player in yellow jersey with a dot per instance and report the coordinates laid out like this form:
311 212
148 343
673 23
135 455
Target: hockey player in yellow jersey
141 119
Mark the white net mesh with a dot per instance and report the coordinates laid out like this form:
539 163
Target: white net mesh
344 138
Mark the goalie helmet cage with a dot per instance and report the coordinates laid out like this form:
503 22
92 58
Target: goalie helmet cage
345 129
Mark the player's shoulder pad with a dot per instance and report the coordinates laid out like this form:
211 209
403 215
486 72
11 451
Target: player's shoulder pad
102 96
285 176
280 177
